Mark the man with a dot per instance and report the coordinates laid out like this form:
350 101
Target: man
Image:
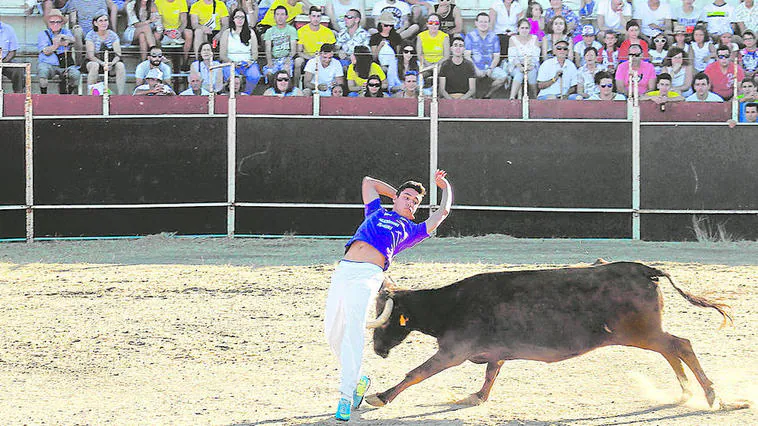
310 38
719 17
195 82
359 275
588 40
613 15
724 73
556 78
746 16
9 45
751 113
293 8
748 92
280 41
176 31
209 19
645 72
604 82
154 85
55 56
82 12
352 35
654 17
457 76
330 72
154 61
632 37
664 94
483 49
749 55
401 12
702 87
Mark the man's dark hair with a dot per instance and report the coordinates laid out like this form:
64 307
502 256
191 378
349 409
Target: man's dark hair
722 47
601 75
357 12
283 8
482 14
314 9
748 32
632 23
701 76
751 105
327 47
456 38
663 76
413 185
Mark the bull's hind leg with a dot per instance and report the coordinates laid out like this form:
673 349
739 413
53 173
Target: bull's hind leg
676 364
493 369
438 362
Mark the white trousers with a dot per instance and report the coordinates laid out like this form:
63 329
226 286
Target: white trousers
354 287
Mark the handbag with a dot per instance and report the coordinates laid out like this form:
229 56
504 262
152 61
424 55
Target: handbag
65 58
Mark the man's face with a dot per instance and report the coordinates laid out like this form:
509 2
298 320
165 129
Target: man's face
664 86
483 23
352 19
701 87
635 54
153 82
458 47
588 39
749 40
156 56
561 51
633 31
723 57
280 16
748 88
326 57
606 86
195 82
751 114
315 18
407 203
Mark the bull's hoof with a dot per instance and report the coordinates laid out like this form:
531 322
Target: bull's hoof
710 396
374 400
686 396
471 400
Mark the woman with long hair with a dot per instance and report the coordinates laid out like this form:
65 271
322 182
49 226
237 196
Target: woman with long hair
144 25
281 85
373 87
678 67
536 16
213 79
361 68
240 46
408 62
703 51
523 48
556 30
98 40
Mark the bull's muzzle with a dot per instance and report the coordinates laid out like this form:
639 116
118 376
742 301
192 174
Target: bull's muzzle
383 317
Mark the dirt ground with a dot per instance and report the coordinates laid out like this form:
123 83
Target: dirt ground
168 331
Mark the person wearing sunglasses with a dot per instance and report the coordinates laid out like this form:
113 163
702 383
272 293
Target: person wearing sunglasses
408 62
724 73
154 60
645 72
340 12
432 45
658 52
55 57
281 85
556 78
373 88
399 17
604 83
350 36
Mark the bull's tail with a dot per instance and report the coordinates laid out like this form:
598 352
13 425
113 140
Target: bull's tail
702 302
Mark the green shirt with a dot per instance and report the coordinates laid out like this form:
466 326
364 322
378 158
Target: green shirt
280 39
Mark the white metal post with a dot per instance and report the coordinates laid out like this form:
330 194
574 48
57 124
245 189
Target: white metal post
106 95
634 94
525 97
29 154
316 91
433 139
231 156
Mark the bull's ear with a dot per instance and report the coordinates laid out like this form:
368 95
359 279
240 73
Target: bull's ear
388 284
403 320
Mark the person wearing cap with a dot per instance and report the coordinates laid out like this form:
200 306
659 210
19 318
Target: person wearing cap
686 15
55 56
719 17
588 40
556 78
680 40
328 70
645 72
746 16
385 42
654 16
613 15
400 14
153 85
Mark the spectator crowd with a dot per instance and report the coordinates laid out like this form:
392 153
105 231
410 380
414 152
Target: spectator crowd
550 49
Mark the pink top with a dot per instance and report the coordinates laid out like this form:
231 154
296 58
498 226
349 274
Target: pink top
536 29
645 74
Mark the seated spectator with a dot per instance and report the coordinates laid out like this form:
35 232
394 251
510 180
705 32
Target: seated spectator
350 36
632 37
504 16
410 86
451 20
384 43
154 85
176 29
55 57
81 15
588 40
746 17
585 80
677 66
613 15
98 40
556 31
212 79
408 62
663 94
748 92
604 83
209 19
659 52
432 45
401 16
702 86
536 16
680 41
373 87
686 16
281 85
310 38
557 8
239 45
724 73
749 55
654 16
338 90
281 45
608 56
457 76
362 67
703 51
249 7
523 60
483 49
328 70
155 60
725 39
556 78
292 7
195 83
645 72
339 10
237 83
718 17
144 25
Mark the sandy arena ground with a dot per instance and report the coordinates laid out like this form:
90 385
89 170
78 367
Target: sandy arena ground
165 331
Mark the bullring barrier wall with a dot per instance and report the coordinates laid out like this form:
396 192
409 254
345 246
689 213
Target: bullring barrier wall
135 172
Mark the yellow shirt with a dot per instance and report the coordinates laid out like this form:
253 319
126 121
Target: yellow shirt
204 12
312 40
292 11
170 12
670 94
375 69
433 47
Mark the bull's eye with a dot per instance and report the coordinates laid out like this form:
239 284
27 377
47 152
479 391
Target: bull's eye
403 320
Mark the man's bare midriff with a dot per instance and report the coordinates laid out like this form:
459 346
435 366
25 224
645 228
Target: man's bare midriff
361 251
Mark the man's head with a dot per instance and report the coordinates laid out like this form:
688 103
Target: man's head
604 81
55 20
747 88
482 22
154 77
561 49
723 53
327 52
748 37
635 54
195 81
457 46
155 56
663 83
751 112
610 38
280 16
352 18
314 16
588 34
701 84
633 29
408 198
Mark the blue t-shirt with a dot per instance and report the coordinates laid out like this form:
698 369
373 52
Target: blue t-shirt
387 231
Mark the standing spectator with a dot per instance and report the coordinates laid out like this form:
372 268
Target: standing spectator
451 20
719 17
432 45
362 67
310 38
680 70
749 55
373 87
408 62
144 25
585 80
281 85
608 56
293 8
329 72
703 52
55 58
632 37
604 83
240 46
212 79
209 19
100 39
724 73
524 60
536 16
588 40
686 15
556 31
400 13
154 85
195 82
82 13
504 16
410 86
659 52
385 42
457 77
483 49
663 94
350 36
281 45
645 72
746 16
176 31
654 17
557 8
338 11
155 60
613 15
702 86
556 78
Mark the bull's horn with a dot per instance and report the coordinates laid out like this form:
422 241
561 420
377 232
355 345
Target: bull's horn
381 319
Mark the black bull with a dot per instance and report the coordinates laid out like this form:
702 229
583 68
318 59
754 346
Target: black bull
542 315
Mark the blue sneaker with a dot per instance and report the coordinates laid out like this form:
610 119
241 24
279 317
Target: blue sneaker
343 410
360 391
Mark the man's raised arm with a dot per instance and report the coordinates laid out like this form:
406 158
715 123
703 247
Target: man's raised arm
440 177
372 188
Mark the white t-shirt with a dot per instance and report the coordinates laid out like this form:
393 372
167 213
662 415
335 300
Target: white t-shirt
325 75
579 50
549 68
689 20
189 92
506 21
144 66
399 9
647 16
618 97
612 19
712 97
719 18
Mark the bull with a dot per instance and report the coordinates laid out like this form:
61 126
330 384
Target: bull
545 315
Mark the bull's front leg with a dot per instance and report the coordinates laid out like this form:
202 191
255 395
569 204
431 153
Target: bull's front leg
438 362
493 369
